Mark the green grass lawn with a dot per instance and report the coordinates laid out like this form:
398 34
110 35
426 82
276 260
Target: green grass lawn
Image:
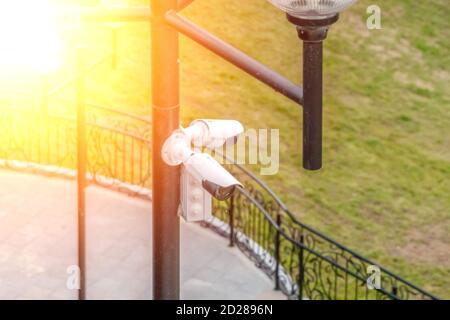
385 187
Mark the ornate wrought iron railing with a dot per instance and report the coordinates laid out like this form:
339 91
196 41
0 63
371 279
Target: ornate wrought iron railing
118 148
304 263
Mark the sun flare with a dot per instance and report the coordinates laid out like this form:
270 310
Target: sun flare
29 39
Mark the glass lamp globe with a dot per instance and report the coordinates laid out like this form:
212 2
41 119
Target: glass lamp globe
312 9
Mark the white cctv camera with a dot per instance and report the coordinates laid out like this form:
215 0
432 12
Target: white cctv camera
201 133
214 178
201 176
196 202
213 133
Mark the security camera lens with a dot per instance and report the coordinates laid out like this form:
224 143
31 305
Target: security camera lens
225 193
218 192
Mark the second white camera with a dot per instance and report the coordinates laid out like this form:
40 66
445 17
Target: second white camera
201 176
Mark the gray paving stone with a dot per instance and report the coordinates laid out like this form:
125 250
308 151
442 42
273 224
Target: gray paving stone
38 243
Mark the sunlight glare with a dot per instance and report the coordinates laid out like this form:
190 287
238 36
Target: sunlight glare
29 38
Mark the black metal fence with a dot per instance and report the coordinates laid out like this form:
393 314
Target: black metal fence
304 263
118 145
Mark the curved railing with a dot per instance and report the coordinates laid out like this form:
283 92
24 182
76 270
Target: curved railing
304 263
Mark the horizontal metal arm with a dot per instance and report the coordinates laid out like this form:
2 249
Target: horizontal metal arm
236 57
201 36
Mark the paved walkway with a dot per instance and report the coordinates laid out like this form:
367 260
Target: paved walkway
38 244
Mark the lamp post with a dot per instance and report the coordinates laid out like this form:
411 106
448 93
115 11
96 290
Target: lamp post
165 179
312 18
81 172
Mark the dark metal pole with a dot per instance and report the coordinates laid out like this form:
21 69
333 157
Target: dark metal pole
312 32
165 179
301 265
312 108
277 251
232 213
81 175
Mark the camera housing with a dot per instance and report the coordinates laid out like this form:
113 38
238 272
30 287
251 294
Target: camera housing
196 203
214 178
213 133
202 177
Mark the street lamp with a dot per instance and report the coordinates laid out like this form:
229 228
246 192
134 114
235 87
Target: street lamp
312 9
312 18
